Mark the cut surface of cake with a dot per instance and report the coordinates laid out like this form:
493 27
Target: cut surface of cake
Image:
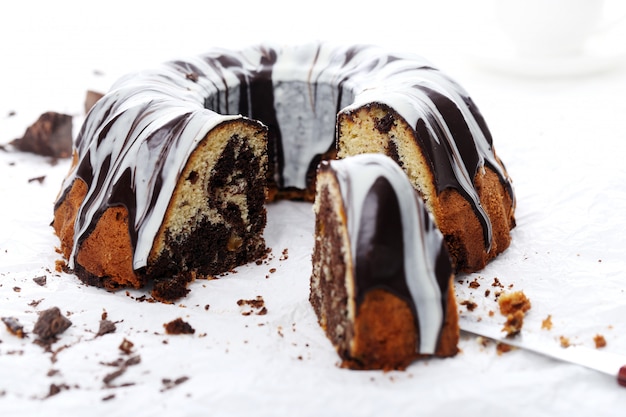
382 279
173 164
202 214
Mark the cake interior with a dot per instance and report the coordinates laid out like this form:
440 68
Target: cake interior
332 295
216 216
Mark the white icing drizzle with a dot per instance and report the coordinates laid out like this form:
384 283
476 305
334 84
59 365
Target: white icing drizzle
422 242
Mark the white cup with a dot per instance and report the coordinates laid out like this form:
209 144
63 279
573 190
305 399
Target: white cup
546 29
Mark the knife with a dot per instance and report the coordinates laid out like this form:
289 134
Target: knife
609 363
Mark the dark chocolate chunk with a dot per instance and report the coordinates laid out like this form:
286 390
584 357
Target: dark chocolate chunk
51 323
50 135
41 280
106 326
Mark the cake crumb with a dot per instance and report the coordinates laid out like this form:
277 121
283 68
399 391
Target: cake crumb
564 341
168 290
474 284
256 306
470 305
14 327
546 324
126 346
514 306
513 301
178 326
483 341
599 341
502 348
514 323
60 265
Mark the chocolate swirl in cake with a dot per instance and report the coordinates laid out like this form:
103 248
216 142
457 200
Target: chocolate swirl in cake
136 140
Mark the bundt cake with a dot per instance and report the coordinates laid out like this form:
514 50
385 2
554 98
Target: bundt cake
381 284
170 166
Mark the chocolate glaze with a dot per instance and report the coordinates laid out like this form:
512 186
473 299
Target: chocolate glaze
379 246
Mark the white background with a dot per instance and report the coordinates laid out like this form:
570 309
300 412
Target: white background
561 138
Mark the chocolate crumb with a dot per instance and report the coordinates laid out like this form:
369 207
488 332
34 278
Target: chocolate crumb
55 389
51 323
169 383
122 365
108 378
41 280
39 179
178 326
106 326
35 303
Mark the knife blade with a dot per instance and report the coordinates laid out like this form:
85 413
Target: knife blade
606 362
